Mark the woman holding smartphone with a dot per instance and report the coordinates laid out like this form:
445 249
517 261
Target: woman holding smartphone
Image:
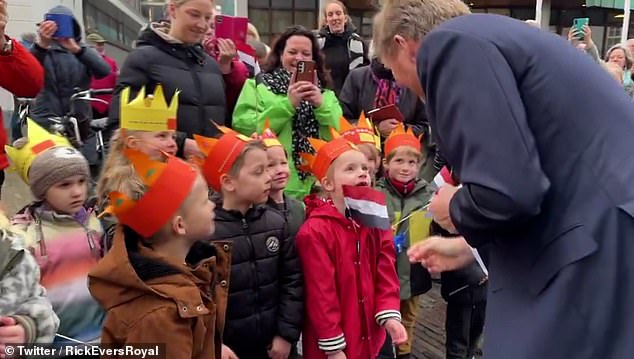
296 107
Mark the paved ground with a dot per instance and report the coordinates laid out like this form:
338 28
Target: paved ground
429 335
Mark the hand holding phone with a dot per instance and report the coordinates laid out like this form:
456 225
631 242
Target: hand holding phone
305 71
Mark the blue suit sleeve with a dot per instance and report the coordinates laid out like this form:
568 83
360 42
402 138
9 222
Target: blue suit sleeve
482 130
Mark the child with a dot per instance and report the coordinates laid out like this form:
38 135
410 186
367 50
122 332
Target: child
63 234
266 290
147 125
407 197
160 283
366 140
351 281
289 207
26 315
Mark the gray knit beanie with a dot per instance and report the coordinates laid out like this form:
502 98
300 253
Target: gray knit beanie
53 166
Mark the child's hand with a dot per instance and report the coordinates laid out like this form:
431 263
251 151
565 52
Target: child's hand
396 330
280 348
227 353
10 332
337 355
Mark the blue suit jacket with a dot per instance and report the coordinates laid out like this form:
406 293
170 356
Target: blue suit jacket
543 140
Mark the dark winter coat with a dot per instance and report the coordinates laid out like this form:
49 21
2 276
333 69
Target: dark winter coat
266 292
65 72
159 58
344 52
293 211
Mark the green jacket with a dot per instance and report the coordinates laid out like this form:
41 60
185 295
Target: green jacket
414 279
256 104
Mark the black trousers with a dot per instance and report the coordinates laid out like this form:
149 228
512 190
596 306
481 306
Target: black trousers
1 181
464 325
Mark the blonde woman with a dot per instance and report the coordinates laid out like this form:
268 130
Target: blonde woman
541 140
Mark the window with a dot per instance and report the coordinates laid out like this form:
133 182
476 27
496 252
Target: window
110 22
362 21
272 17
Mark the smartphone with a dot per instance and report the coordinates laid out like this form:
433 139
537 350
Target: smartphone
385 113
305 71
65 25
231 27
578 24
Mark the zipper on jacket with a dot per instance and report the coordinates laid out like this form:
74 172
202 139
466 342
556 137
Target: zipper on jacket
254 272
360 299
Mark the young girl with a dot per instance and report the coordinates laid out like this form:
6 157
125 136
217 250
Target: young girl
63 234
147 125
366 140
160 283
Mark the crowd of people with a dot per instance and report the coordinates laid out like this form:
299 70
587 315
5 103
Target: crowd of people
224 220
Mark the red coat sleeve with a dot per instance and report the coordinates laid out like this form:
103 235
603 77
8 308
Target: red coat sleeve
21 73
234 81
387 284
322 308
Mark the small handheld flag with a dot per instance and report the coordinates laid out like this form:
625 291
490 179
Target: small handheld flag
367 206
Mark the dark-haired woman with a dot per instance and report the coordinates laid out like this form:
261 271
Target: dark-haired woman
296 109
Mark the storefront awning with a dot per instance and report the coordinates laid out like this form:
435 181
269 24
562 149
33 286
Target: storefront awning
612 4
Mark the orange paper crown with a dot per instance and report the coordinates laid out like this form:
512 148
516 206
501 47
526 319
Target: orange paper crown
363 132
169 185
401 137
268 136
325 154
220 154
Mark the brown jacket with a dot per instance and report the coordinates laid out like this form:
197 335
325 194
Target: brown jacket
180 305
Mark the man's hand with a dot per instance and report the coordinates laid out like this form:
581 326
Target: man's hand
439 207
280 348
387 126
396 330
10 332
46 30
227 353
4 18
69 44
439 254
337 355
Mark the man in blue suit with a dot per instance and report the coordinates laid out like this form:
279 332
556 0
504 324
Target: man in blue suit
541 139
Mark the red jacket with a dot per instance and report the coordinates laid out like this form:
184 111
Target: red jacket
350 282
233 80
22 75
108 82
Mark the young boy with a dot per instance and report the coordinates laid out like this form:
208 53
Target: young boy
160 282
266 295
407 197
63 234
26 315
366 140
349 269
289 207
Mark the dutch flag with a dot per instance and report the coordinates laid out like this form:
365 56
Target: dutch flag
367 206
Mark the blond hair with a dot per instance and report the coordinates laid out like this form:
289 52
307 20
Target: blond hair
412 19
118 173
179 3
253 31
323 21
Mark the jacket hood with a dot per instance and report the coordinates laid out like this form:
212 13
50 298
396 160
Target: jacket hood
157 34
121 277
317 206
63 10
157 31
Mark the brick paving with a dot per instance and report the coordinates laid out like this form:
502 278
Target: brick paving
429 333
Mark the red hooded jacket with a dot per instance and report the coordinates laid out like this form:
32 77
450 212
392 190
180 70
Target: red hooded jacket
22 75
350 283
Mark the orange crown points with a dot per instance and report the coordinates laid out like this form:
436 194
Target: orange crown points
401 137
220 154
268 136
363 132
169 185
325 154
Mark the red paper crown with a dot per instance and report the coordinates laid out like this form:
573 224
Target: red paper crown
220 154
268 137
401 137
169 185
363 132
325 154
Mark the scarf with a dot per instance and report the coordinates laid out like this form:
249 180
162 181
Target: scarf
304 123
387 91
402 188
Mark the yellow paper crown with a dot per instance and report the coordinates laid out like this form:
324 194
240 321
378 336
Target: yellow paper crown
401 136
148 113
39 140
363 132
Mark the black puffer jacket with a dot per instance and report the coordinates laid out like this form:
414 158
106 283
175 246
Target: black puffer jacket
159 58
266 290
